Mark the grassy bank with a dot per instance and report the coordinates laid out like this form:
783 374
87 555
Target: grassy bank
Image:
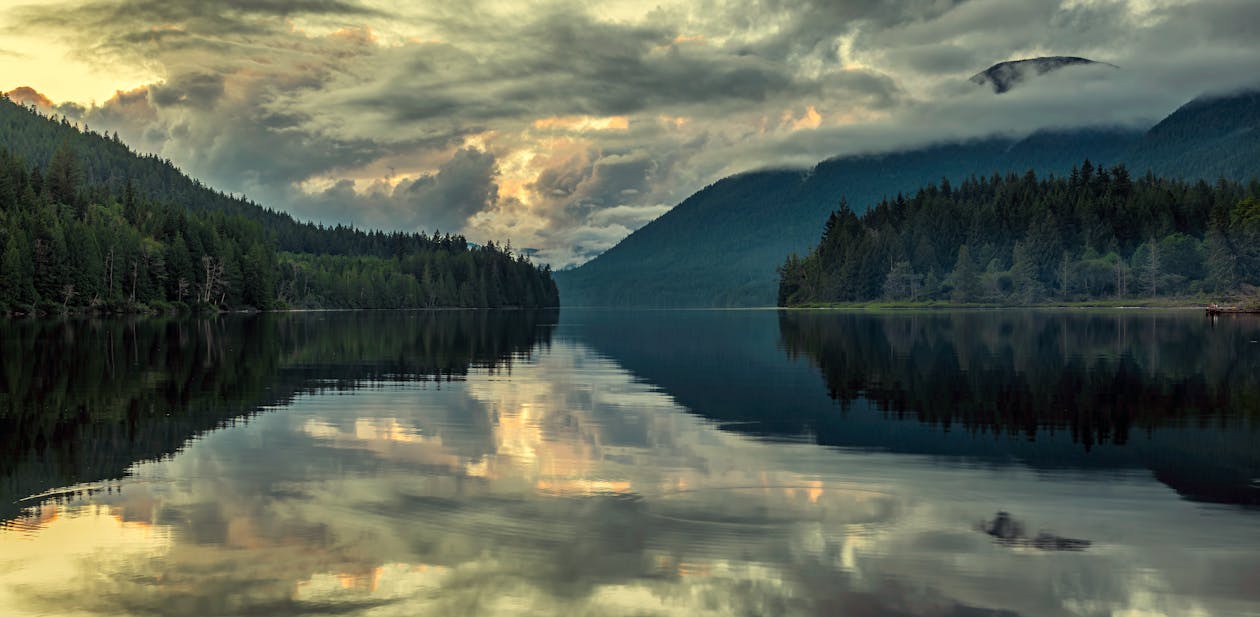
1169 303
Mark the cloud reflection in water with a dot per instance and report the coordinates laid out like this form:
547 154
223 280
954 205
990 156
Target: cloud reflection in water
570 487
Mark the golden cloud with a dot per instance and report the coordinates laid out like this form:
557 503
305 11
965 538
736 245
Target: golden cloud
582 124
26 95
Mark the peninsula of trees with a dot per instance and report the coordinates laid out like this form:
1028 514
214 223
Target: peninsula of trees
1095 234
87 224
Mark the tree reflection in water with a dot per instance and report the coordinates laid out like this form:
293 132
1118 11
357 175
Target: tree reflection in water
82 400
1098 375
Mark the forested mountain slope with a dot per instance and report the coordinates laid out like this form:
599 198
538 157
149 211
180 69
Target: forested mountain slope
87 224
720 247
1209 137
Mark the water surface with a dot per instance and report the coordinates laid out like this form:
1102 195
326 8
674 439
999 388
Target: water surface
632 463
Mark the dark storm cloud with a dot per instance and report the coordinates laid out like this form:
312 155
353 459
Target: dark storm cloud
462 187
934 58
148 32
594 121
201 90
607 183
811 27
615 69
574 64
223 15
1224 20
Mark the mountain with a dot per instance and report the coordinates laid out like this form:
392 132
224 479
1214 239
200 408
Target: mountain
88 224
1006 75
108 165
721 246
1209 137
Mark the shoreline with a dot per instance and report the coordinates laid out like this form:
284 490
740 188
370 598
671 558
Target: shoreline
249 311
1128 303
928 306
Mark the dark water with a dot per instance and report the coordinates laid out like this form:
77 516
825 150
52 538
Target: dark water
632 463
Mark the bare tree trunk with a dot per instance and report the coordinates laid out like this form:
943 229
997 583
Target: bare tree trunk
207 291
67 292
109 275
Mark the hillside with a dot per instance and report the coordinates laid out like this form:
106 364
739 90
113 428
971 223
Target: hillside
720 247
109 165
88 224
1209 137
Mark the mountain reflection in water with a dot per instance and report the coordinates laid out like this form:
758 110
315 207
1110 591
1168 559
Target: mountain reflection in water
81 400
629 463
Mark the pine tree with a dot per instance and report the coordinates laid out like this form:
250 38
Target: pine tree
1027 289
966 278
1222 261
64 175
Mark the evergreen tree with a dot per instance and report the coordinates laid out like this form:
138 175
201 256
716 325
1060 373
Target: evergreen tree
63 175
1097 233
966 278
133 232
1222 260
1024 275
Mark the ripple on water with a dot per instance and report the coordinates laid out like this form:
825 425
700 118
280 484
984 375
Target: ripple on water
858 510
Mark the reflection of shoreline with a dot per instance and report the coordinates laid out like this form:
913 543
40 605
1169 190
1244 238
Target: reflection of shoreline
945 306
1098 377
1024 377
140 389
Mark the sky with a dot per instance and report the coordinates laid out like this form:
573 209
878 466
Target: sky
563 126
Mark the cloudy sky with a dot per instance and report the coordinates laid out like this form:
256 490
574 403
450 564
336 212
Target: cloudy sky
563 126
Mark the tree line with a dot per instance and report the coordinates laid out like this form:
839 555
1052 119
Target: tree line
1013 239
76 237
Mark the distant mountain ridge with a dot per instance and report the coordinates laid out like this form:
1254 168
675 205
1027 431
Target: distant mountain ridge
1006 75
721 246
1209 137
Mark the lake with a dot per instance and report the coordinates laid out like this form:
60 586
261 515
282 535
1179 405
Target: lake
585 462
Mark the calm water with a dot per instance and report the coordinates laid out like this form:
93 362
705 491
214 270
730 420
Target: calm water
632 463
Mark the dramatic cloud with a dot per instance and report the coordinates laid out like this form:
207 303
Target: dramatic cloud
563 128
27 95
